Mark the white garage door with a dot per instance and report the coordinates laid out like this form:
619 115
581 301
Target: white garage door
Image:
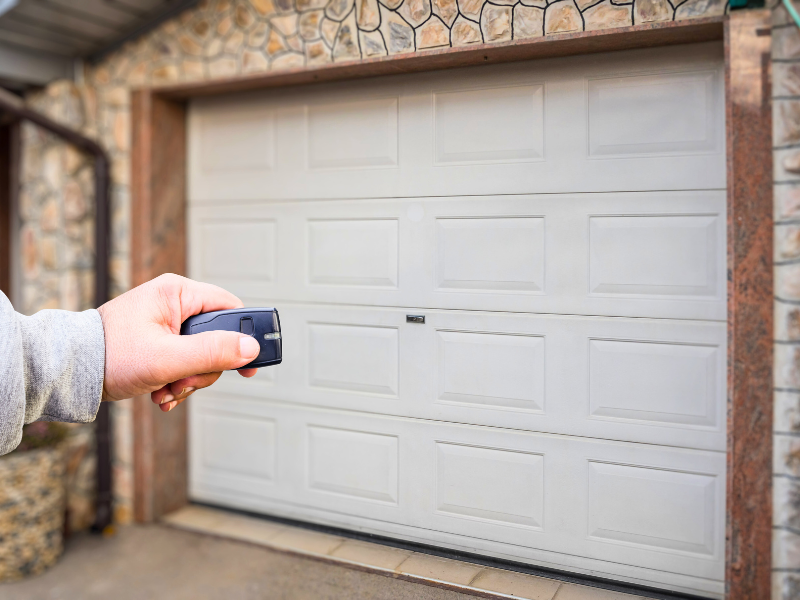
561 227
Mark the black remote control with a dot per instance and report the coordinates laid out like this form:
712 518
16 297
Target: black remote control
261 323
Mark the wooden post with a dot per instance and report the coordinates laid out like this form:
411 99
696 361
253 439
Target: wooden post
158 245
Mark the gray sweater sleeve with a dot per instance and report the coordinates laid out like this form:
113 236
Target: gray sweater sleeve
51 369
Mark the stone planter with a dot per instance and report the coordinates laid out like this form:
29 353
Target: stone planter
32 494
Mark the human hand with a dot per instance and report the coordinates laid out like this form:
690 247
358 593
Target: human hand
145 352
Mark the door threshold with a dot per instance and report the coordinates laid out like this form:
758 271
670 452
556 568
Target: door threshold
478 576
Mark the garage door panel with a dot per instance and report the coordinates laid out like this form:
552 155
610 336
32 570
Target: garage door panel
352 135
353 252
652 381
490 369
234 451
491 253
490 484
554 126
652 507
354 358
671 383
654 254
483 126
354 464
654 115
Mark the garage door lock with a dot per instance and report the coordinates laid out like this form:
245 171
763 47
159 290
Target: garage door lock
415 319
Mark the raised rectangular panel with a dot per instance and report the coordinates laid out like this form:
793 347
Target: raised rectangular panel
491 369
351 135
491 253
656 382
491 125
238 249
355 358
666 113
238 444
656 508
490 484
236 139
353 252
658 255
353 463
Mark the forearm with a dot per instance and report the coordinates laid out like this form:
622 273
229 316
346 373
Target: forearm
51 368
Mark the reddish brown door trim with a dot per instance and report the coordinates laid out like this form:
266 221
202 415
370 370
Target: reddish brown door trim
159 244
750 310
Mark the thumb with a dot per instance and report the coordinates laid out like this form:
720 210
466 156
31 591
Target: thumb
208 352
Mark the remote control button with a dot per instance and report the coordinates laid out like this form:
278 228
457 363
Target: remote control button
246 325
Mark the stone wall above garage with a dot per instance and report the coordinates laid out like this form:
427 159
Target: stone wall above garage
227 38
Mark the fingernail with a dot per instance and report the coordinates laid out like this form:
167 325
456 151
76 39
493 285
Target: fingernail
167 398
186 391
248 347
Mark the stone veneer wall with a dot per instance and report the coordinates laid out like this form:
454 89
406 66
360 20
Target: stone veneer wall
227 38
786 143
56 254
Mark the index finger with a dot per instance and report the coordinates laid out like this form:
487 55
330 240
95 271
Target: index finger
198 297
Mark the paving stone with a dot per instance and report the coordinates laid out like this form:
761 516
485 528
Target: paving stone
528 22
276 44
213 48
440 569
367 15
234 42
192 69
295 43
496 23
254 62
371 555
329 29
465 32
607 16
222 67
398 34
649 11
243 17
569 591
433 34
415 12
289 60
189 45
446 10
303 5
346 45
224 26
536 3
516 584
471 9
286 25
265 7
337 10
562 17
309 24
700 8
372 44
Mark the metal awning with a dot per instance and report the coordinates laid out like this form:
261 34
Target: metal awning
40 40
